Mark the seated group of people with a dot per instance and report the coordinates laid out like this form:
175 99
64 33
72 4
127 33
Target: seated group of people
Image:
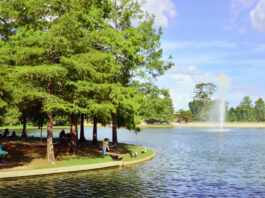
6 133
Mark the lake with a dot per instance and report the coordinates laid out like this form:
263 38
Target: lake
191 162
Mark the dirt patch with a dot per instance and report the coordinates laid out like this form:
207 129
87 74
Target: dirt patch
22 152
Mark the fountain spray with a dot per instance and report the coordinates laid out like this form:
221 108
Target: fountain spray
218 111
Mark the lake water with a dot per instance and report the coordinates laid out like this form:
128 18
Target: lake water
191 162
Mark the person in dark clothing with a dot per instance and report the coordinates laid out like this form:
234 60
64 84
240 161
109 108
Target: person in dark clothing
62 136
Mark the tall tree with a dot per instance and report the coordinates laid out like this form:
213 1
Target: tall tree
58 32
156 104
259 110
232 116
37 45
82 128
136 49
201 104
204 91
245 110
5 93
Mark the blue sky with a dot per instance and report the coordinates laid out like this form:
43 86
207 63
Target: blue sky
207 38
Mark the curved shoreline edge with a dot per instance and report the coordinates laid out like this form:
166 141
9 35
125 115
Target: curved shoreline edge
69 169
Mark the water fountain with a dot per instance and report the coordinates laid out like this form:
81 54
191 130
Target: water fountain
218 111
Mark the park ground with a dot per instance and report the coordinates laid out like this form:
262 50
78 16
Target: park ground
30 154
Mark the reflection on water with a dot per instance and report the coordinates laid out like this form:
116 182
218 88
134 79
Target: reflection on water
192 163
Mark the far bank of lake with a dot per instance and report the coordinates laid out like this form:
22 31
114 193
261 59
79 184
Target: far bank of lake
172 125
226 125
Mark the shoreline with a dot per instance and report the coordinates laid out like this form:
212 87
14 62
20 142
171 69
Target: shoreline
27 158
216 125
171 125
69 169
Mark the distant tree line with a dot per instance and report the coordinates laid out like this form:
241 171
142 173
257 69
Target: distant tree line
200 107
246 111
71 60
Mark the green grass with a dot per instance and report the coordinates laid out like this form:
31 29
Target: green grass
76 161
157 126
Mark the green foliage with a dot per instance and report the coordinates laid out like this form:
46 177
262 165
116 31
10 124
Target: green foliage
12 115
5 93
232 115
259 110
201 105
200 109
245 111
204 91
81 57
185 116
156 105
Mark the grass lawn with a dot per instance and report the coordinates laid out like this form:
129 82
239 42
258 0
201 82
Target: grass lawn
157 126
30 153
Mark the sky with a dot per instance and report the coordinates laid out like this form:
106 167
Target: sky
209 38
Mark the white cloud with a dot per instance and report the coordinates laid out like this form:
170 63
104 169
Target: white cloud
257 16
181 80
238 6
164 11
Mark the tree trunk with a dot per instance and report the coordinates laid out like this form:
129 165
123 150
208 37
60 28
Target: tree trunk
73 131
95 131
76 126
41 134
114 132
24 131
50 149
82 131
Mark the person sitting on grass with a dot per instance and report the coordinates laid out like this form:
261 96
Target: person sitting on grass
62 136
14 134
6 133
105 146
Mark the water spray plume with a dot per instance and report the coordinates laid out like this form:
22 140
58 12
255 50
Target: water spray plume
218 112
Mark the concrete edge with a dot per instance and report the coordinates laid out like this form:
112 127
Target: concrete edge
69 169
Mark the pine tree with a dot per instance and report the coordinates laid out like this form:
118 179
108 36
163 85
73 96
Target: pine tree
136 50
46 33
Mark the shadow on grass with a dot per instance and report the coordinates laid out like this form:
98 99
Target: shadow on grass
22 151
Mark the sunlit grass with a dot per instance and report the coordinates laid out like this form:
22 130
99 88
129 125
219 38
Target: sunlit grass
77 160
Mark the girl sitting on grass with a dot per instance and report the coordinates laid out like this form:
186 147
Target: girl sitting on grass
105 146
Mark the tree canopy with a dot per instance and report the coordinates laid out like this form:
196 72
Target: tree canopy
72 58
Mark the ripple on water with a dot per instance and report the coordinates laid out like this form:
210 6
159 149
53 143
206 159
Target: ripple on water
194 163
